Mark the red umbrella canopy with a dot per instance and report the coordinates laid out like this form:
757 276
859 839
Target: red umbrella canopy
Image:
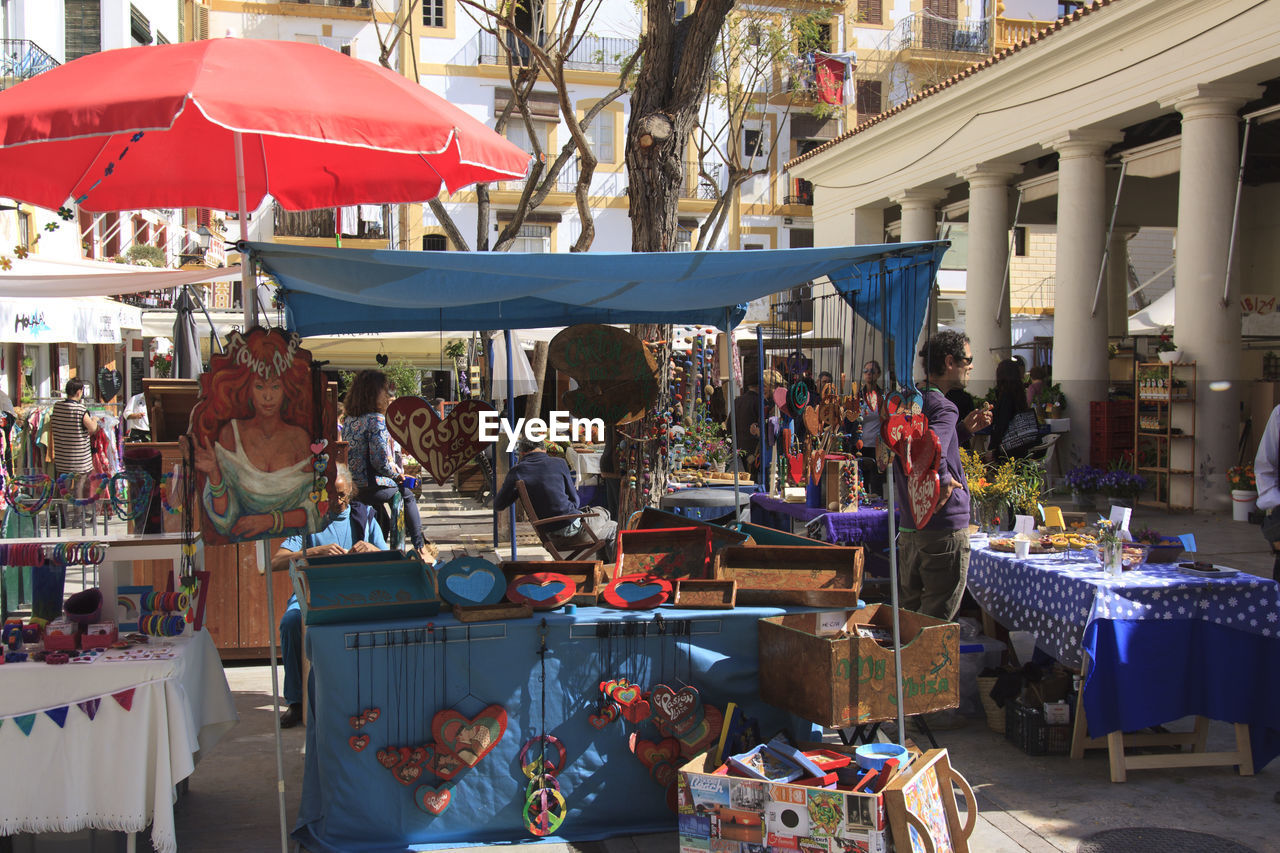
155 126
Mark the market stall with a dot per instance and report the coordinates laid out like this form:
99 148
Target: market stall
1160 643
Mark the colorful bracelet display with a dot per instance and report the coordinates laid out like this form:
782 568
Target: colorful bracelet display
63 553
166 602
161 624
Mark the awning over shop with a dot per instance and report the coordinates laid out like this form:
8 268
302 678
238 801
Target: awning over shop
80 321
36 275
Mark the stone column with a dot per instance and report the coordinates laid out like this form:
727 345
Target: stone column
868 225
920 223
1206 330
986 309
1079 334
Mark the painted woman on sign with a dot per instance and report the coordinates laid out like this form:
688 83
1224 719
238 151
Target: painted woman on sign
252 439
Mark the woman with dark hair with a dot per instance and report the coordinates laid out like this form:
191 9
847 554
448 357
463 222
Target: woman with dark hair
1011 399
374 470
252 441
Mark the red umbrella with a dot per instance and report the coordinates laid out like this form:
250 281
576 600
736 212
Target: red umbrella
157 127
221 123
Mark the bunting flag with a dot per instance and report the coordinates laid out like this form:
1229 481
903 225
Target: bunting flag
90 707
58 715
125 698
25 722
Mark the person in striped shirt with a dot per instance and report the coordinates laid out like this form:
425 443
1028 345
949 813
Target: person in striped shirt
72 425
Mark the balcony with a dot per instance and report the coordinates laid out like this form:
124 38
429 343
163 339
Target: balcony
349 4
803 198
923 31
1011 31
357 222
695 186
22 59
592 53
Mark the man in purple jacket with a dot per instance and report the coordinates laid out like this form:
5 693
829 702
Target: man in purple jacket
933 560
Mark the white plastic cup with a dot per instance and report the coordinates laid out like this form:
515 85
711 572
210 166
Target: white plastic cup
1022 548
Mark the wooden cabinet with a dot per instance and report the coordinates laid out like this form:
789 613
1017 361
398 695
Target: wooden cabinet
1164 426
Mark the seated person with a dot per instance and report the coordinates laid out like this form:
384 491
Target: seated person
549 483
352 529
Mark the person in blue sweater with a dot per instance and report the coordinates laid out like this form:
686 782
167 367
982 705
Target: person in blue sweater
933 559
549 483
352 529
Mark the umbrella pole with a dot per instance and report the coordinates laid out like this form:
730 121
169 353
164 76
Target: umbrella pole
893 526
248 296
511 419
264 562
733 418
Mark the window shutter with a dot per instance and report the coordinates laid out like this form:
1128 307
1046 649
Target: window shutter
868 97
870 12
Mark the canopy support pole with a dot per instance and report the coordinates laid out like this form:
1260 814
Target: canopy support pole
248 294
733 415
893 526
1106 246
511 421
264 564
1235 214
765 467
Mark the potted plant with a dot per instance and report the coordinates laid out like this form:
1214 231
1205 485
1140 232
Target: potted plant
1244 491
1167 351
1083 481
1052 400
162 364
1120 486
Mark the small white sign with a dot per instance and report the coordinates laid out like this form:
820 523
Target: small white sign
1024 524
1120 517
832 622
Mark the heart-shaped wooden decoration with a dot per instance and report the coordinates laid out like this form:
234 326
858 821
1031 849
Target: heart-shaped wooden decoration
108 383
626 694
795 460
407 773
469 739
442 446
372 715
446 765
607 715
637 592
357 722
664 773
651 753
471 581
388 758
617 374
779 397
812 420
673 706
704 734
542 590
358 742
432 800
636 712
924 487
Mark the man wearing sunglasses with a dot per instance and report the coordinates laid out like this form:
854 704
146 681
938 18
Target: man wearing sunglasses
934 557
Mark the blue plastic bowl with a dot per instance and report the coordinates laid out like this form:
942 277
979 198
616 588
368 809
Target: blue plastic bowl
872 756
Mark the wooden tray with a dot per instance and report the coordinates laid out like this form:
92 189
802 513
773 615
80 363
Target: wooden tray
492 612
783 574
705 594
355 590
668 552
587 575
721 537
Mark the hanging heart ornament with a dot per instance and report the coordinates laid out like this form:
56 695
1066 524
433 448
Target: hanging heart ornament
924 487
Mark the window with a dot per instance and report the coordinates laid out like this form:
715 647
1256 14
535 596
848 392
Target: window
139 26
517 132
752 142
1020 241
870 12
868 96
434 243
684 240
83 28
433 13
681 10
823 40
600 133
533 238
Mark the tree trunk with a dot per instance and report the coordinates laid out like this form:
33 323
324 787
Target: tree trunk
533 405
669 90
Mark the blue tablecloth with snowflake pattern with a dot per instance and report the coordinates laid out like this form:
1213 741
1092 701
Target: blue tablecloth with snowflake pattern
1162 644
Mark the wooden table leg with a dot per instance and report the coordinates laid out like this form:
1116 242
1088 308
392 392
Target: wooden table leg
1201 734
1245 749
1080 729
1115 753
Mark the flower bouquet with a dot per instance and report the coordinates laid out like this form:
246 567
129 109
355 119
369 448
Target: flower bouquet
1242 479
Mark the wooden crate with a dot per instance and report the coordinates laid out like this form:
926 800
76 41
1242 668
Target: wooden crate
667 552
816 666
721 537
785 574
587 575
355 588
492 612
705 594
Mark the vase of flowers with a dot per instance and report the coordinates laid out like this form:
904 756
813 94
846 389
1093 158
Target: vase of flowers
1110 549
162 364
1244 491
1167 351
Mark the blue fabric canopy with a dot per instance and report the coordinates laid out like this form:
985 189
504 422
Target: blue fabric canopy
329 290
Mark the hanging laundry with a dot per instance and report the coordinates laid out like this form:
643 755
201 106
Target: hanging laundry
834 76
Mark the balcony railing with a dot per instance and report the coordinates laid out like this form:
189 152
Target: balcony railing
356 222
696 186
350 4
592 53
1010 31
923 31
802 198
21 60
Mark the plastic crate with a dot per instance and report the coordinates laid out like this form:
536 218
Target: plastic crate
1025 728
1110 408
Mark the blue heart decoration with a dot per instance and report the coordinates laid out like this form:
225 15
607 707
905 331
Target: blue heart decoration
471 581
633 592
541 592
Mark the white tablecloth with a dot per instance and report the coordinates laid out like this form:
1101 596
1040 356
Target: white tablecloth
586 466
118 770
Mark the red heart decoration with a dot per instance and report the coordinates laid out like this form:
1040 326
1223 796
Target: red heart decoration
672 705
407 773
607 715
357 722
625 694
704 734
388 758
432 800
664 773
442 446
444 764
469 739
358 742
636 712
622 592
924 453
372 715
542 590
421 755
652 753
923 490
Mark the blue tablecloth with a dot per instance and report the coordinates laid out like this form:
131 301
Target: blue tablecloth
351 803
705 503
1163 644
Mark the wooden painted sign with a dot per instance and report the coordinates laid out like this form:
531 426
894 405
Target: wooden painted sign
617 376
441 445
923 811
259 440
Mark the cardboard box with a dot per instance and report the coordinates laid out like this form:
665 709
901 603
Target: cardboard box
782 574
722 812
815 666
